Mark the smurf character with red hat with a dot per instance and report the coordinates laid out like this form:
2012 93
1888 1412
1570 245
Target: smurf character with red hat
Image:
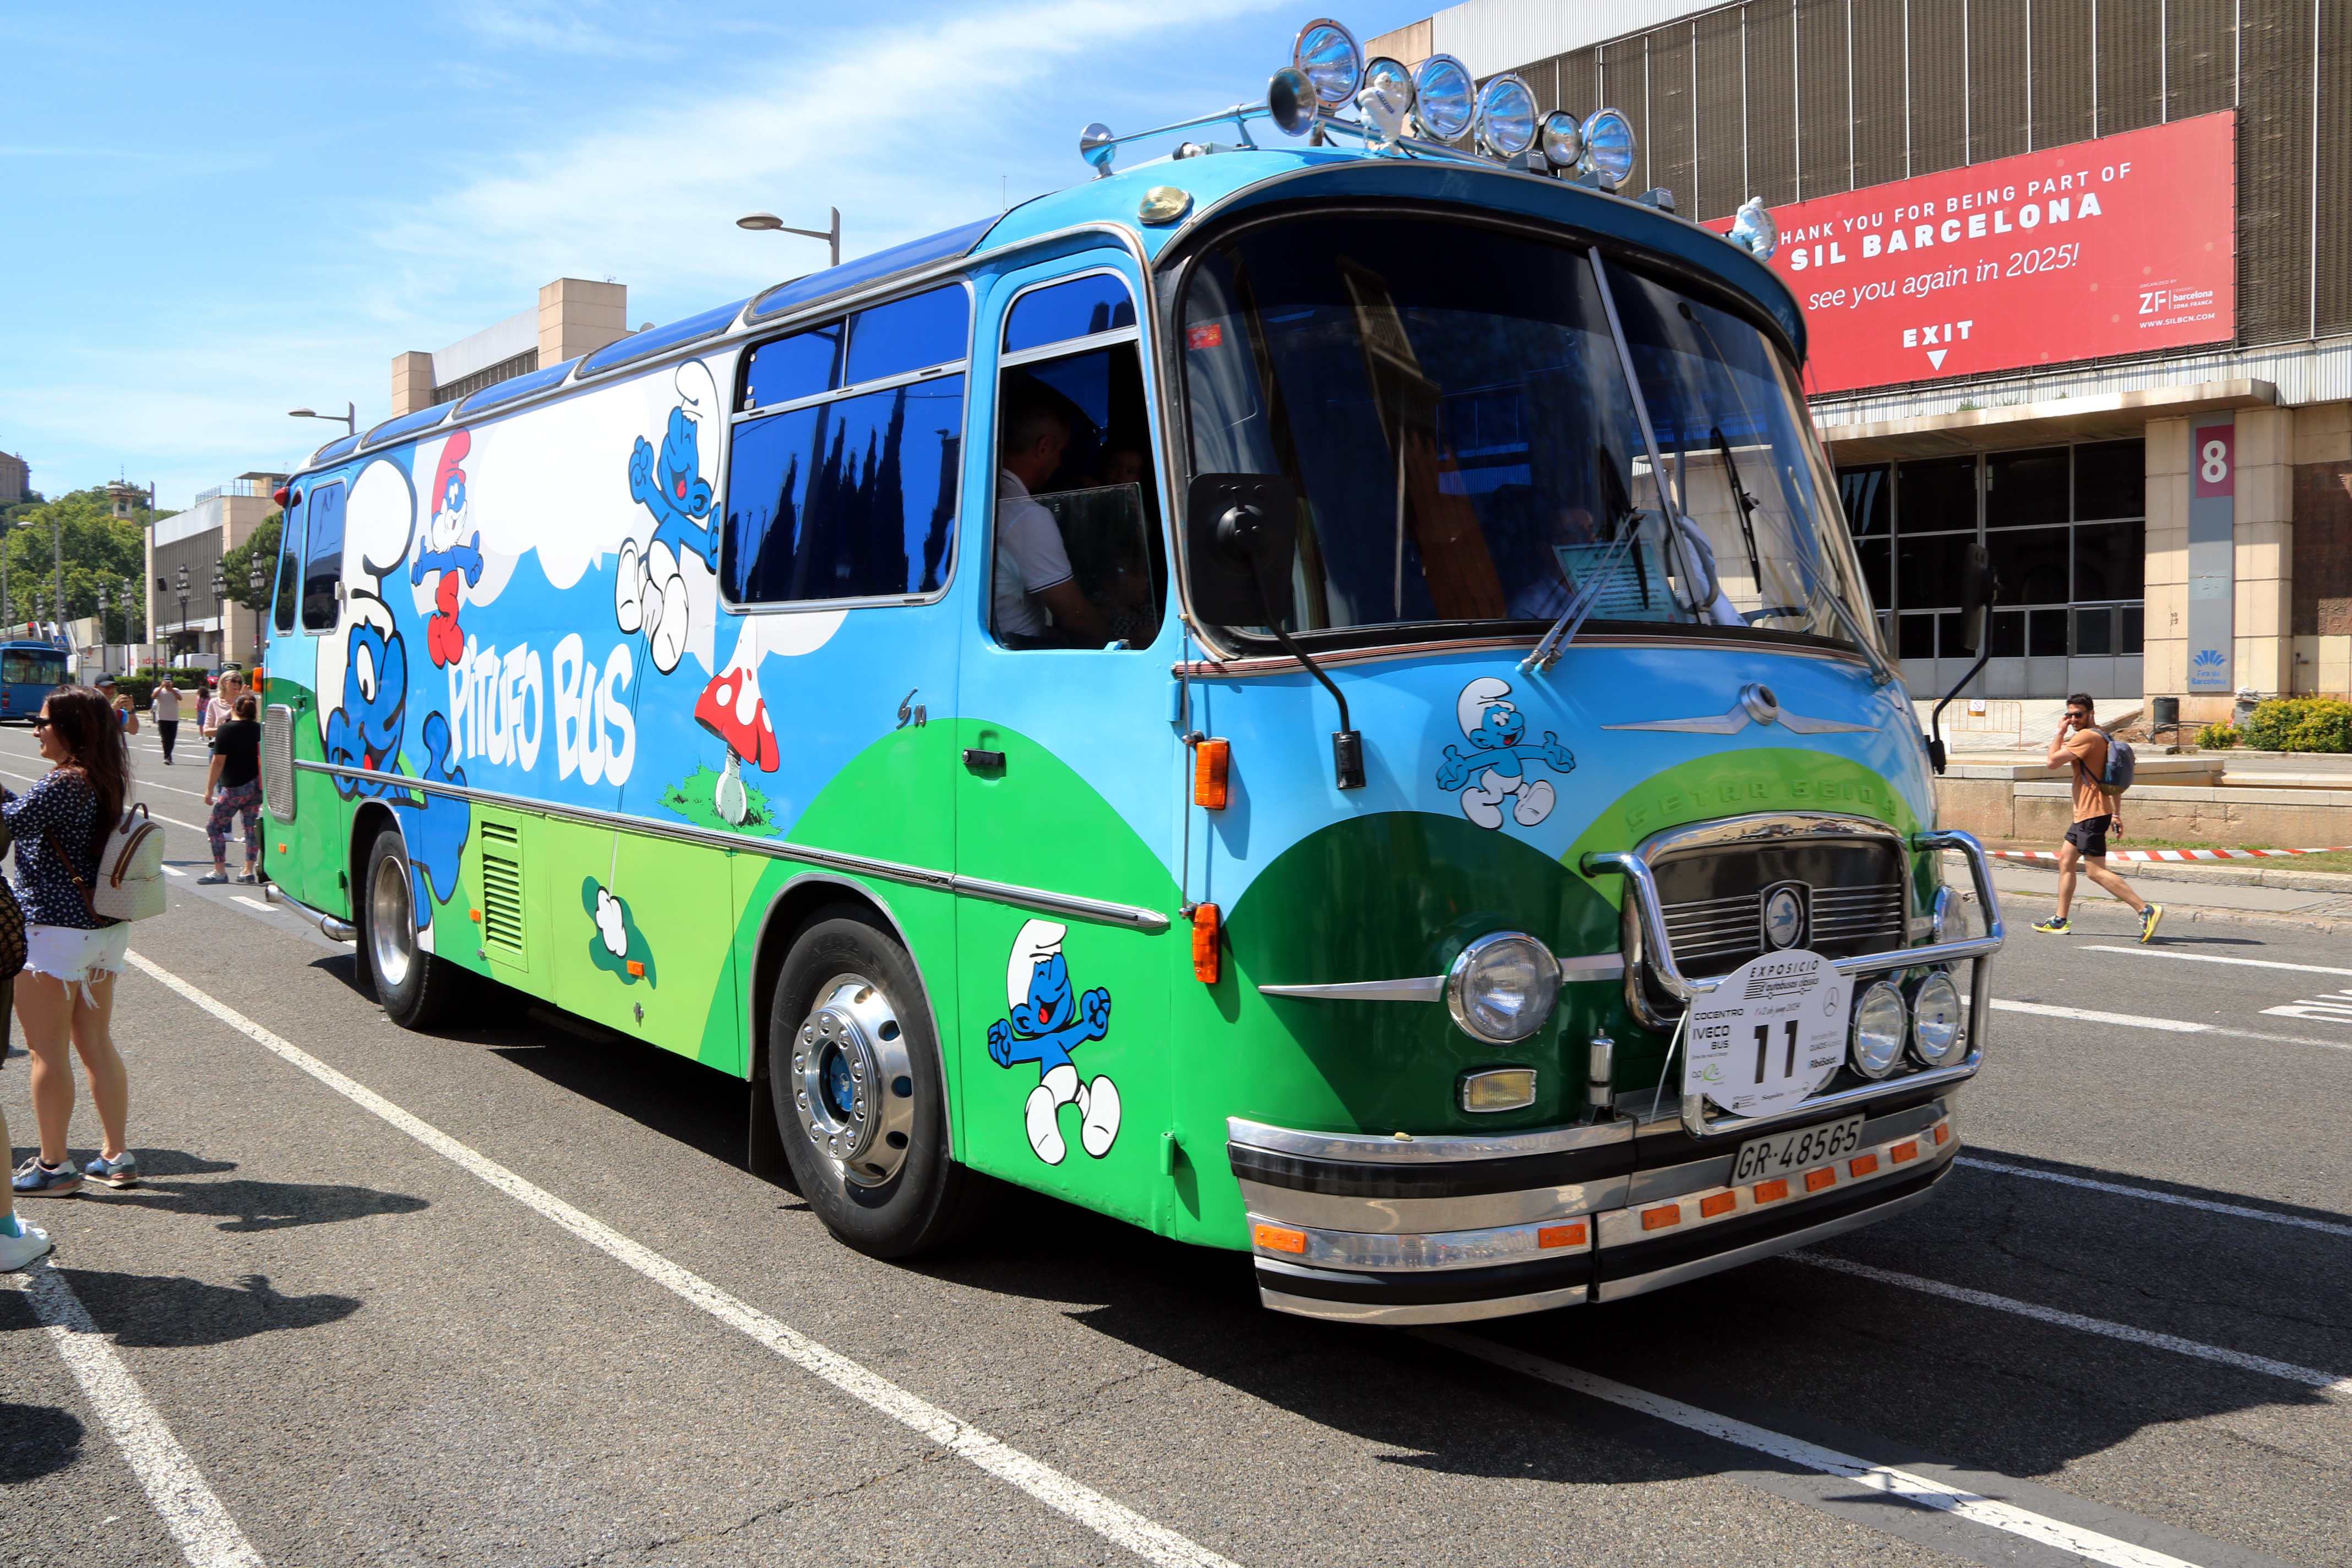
446 547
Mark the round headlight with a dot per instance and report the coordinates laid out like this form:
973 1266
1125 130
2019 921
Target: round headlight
1563 139
1444 97
1754 230
1503 986
1506 116
1937 1038
1881 1022
1327 53
1608 147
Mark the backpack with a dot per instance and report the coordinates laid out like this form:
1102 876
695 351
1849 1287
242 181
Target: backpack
2116 776
130 869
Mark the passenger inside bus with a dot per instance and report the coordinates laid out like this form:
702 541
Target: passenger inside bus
1076 380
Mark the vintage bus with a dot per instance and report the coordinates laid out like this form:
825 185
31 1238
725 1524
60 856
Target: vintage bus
29 670
1311 695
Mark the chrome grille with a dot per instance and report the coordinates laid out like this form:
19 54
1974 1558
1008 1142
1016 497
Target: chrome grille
1857 901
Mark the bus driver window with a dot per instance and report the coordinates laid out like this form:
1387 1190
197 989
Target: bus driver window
1076 562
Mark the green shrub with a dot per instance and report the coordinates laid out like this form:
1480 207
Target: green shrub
2220 737
2301 724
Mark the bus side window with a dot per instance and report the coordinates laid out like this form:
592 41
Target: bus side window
289 566
322 567
1077 558
853 497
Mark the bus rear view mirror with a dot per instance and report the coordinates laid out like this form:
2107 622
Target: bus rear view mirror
1978 588
1241 534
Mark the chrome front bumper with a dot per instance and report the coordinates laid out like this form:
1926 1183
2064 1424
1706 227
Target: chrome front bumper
1403 1231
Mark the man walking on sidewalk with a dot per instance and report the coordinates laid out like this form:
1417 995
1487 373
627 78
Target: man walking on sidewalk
2079 742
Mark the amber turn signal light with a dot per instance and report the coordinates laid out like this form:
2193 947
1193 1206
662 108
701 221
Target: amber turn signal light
1210 762
1208 942
1278 1238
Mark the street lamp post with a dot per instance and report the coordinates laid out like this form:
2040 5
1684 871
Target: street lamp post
771 223
127 643
183 607
220 617
101 631
349 418
254 579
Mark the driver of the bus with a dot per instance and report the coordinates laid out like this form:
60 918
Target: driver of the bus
1033 570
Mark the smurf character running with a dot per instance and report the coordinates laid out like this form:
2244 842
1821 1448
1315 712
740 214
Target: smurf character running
1047 1022
448 549
649 592
1496 767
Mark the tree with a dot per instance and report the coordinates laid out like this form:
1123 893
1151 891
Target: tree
237 561
99 549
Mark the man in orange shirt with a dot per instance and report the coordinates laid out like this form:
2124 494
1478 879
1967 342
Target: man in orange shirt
2079 742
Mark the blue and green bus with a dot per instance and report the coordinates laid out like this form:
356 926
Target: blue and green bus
29 671
1312 694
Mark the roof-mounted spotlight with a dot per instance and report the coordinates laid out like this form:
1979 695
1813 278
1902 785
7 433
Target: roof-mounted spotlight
1328 54
1754 231
1562 136
1290 100
1505 117
1608 155
1444 98
1385 100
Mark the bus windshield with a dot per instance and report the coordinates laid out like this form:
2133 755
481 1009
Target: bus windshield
1450 404
32 666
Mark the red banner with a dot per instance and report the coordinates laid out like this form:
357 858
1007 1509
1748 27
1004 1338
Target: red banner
2110 246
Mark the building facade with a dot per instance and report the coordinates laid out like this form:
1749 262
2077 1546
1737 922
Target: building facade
573 316
2146 414
190 623
16 479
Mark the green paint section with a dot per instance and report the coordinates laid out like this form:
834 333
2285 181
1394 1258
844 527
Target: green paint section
618 946
309 857
692 799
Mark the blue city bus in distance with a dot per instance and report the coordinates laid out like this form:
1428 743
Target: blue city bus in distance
29 671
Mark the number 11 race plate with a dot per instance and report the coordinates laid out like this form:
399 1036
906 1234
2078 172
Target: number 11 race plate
1788 1152
1771 1035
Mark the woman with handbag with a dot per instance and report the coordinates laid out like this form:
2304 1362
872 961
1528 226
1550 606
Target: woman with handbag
65 994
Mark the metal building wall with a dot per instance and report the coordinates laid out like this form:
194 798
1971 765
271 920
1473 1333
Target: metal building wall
1792 100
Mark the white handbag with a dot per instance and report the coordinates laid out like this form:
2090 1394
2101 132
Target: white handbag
130 869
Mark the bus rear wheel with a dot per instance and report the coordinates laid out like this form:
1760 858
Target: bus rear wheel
418 990
853 1075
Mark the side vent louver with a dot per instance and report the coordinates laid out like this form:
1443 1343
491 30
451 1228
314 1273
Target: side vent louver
277 762
502 889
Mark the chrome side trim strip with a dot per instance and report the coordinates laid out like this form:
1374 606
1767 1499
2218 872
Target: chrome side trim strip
1129 915
1403 1149
1700 1268
333 929
1432 1312
1432 987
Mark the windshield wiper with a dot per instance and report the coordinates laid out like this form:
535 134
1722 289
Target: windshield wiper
1748 505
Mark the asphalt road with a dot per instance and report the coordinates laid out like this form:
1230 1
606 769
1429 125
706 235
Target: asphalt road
509 1296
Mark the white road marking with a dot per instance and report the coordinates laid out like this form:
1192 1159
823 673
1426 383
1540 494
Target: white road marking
1975 1163
1900 1484
31 778
174 871
208 1537
2327 1382
254 904
2213 957
2171 1025
1114 1522
2335 1007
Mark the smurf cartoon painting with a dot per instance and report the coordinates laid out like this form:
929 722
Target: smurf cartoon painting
447 546
1048 1021
673 484
1495 769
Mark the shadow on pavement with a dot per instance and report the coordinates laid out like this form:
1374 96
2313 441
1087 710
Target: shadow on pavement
161 1311
36 1440
265 1205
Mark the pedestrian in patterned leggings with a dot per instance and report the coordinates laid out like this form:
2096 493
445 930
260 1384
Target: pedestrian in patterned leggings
233 789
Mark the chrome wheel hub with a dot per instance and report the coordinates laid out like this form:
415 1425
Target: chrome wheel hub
852 1082
392 925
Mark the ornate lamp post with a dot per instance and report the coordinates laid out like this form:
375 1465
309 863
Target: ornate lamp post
254 579
102 654
184 608
220 622
127 642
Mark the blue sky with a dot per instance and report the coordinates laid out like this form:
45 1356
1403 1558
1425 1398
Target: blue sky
218 212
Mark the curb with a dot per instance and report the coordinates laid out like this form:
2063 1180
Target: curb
2211 874
2200 913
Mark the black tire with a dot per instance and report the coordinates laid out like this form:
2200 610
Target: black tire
418 990
889 1201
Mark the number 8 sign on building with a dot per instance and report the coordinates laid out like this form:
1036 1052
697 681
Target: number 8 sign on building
2212 553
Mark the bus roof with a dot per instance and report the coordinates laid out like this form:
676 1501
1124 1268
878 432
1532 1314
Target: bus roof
1219 183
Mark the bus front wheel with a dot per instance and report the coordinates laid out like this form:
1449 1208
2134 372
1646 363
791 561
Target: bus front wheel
418 990
853 1075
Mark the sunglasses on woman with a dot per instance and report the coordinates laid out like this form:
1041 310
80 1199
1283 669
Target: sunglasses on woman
42 721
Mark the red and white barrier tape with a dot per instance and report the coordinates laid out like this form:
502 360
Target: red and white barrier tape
2172 854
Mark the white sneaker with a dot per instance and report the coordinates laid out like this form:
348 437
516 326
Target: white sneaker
17 1251
1044 1126
1099 1124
